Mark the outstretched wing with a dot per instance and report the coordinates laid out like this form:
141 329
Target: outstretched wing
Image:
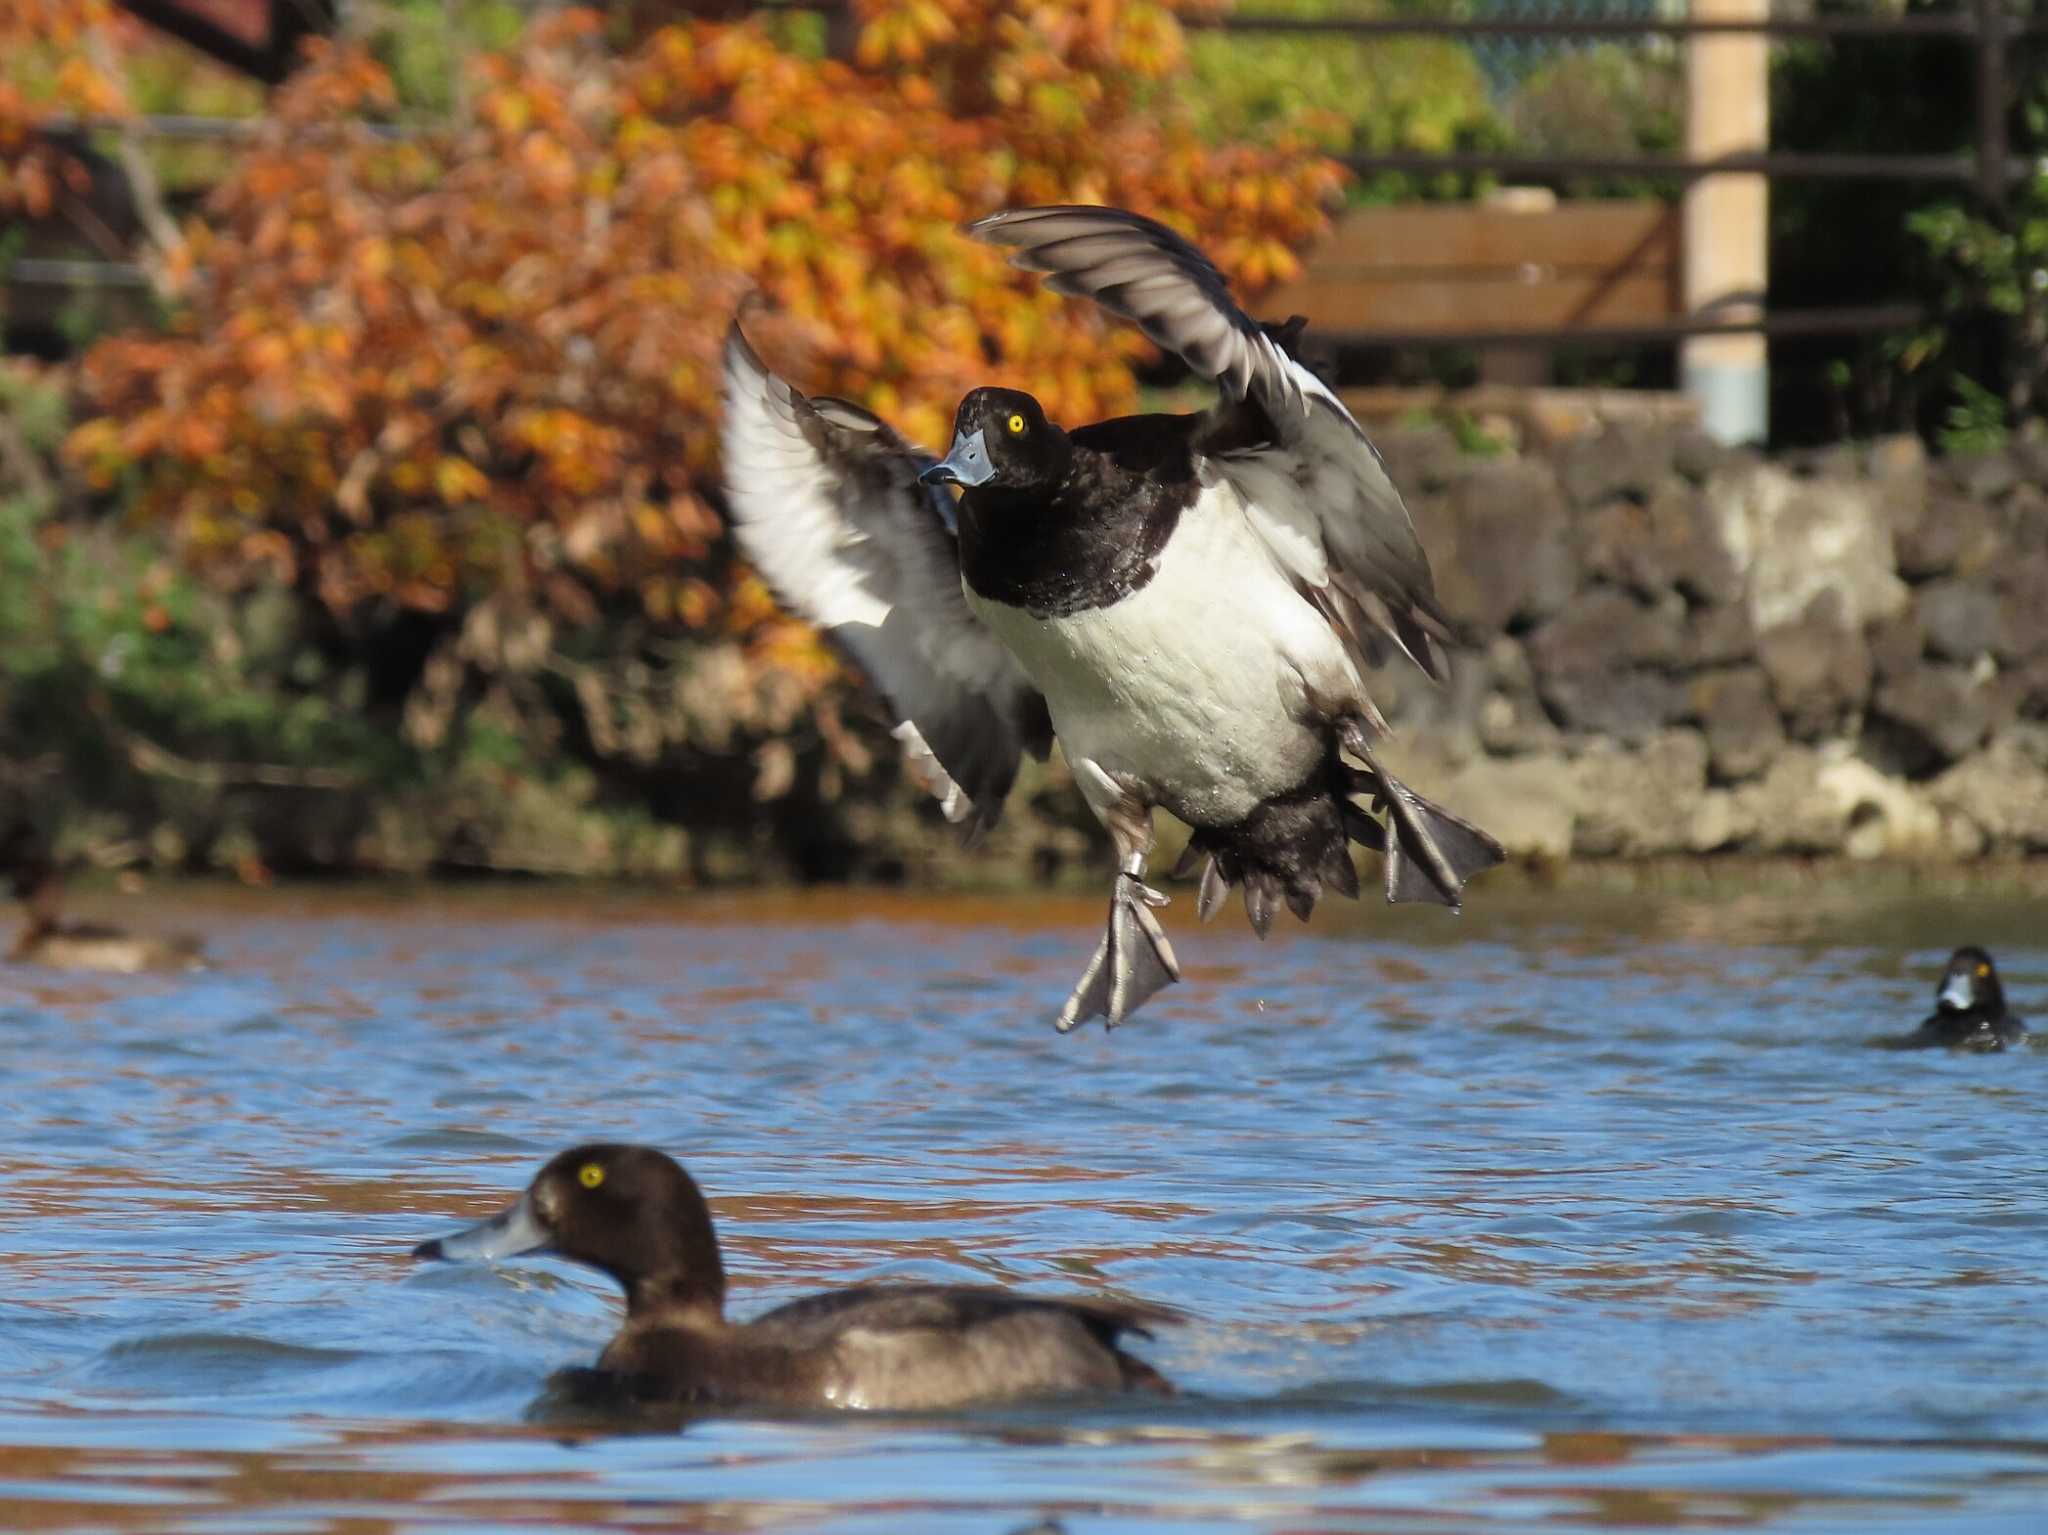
1313 483
826 504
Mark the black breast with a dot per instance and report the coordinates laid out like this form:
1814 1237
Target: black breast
1097 537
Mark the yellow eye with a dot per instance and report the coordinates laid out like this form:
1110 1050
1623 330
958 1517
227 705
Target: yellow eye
1016 425
590 1175
1983 969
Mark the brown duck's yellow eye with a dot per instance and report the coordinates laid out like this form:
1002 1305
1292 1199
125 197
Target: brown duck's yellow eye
1016 425
590 1175
1983 970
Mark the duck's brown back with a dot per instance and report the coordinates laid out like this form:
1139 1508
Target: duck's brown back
896 1348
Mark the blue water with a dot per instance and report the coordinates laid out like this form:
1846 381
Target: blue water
1581 1212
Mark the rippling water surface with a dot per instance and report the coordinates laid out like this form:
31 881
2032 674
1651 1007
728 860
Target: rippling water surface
1580 1212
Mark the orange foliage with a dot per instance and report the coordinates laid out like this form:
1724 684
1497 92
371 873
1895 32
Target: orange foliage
485 359
31 169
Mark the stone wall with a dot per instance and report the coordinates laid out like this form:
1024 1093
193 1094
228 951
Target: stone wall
1675 647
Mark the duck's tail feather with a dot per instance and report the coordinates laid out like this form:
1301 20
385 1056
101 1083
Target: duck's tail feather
1140 1376
1295 846
1288 851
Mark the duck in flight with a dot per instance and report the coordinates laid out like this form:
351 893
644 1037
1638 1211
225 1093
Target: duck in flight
1189 602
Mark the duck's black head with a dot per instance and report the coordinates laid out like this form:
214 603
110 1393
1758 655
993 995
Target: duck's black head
1970 985
1002 440
630 1211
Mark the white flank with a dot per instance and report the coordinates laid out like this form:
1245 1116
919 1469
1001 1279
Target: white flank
1196 690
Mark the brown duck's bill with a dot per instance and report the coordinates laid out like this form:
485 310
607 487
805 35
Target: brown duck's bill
513 1231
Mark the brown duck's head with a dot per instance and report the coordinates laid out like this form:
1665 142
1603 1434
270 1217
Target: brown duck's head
31 872
629 1211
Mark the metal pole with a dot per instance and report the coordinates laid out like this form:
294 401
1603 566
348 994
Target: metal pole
1993 182
1727 258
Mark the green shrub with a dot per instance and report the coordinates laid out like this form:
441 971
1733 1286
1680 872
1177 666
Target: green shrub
1346 96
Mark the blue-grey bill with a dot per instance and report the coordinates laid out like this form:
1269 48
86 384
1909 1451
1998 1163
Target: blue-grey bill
1955 992
512 1231
967 464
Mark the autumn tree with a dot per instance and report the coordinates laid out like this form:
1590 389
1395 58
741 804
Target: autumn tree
458 379
67 36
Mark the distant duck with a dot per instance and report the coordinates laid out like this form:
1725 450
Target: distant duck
46 939
1969 1009
635 1214
1189 602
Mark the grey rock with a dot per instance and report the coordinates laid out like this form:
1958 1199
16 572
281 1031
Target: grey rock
1956 537
1961 619
1514 726
1618 546
1837 461
2030 737
1819 670
1897 645
1419 459
1663 544
1696 456
1740 721
2003 790
2024 512
2027 686
1630 704
1795 539
1512 721
1599 665
1412 700
1601 466
1928 718
1528 803
1785 811
1500 545
1640 803
1827 800
2030 458
1901 456
1981 476
1898 468
1603 628
1716 637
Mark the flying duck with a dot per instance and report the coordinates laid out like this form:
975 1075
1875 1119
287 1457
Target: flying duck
635 1214
1189 602
1969 1009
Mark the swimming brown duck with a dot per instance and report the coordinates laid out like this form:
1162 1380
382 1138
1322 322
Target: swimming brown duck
47 939
632 1212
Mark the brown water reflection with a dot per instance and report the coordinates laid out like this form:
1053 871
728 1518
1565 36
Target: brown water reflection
348 1485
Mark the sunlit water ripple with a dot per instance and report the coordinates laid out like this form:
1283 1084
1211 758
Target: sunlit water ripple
1579 1212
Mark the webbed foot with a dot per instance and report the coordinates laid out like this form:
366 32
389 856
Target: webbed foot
1430 853
1133 961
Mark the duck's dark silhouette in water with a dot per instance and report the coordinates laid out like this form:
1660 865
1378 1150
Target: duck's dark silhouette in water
47 939
1969 1010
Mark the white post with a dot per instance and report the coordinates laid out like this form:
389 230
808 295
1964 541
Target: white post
1727 262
